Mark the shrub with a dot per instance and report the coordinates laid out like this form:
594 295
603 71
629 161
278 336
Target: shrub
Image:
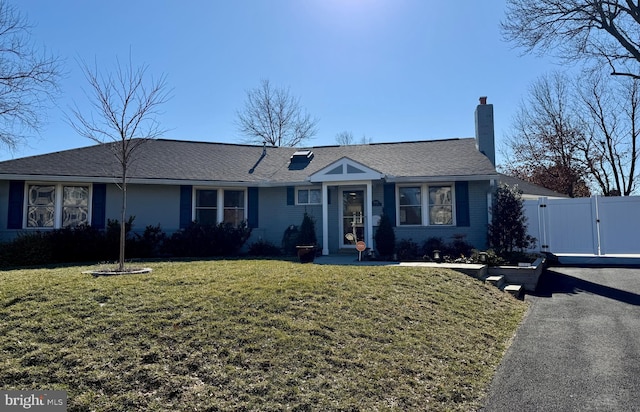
407 250
200 240
459 247
80 244
385 237
28 249
507 231
263 248
434 243
289 240
307 233
149 244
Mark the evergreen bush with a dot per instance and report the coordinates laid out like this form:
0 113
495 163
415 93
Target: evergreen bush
507 232
385 237
307 233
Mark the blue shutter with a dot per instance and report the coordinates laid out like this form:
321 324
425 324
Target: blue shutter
99 205
389 196
16 202
291 196
462 204
186 208
252 202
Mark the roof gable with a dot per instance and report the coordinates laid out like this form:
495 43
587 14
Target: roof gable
345 169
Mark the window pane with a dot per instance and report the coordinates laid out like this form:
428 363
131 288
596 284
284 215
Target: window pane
206 198
303 196
206 216
207 206
233 207
235 216
75 208
440 205
441 215
41 206
234 198
410 196
440 195
410 205
315 196
410 215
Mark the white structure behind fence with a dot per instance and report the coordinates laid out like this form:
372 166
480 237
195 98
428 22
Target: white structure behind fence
597 225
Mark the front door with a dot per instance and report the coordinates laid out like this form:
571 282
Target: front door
352 220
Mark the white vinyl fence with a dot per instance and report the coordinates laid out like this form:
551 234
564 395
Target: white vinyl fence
587 226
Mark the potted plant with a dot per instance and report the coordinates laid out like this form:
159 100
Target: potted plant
307 240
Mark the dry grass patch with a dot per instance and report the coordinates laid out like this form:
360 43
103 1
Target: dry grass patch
254 335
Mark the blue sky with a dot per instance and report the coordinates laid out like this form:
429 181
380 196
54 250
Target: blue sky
391 70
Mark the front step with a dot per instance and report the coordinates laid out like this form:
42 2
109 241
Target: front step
515 290
497 280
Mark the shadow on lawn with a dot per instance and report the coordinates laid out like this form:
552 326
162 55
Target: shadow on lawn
553 282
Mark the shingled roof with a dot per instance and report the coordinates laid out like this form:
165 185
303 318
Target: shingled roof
188 161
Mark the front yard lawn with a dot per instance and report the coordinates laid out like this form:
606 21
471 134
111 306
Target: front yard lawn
254 335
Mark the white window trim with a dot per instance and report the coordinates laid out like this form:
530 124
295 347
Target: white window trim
220 201
424 204
308 188
59 193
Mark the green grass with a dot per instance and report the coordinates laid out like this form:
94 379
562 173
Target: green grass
254 335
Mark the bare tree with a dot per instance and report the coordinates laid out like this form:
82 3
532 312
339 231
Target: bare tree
546 142
576 29
273 116
578 134
611 109
28 78
346 138
126 107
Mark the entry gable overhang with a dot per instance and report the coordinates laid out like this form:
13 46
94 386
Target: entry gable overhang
343 170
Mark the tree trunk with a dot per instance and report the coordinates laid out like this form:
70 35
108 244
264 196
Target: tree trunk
123 229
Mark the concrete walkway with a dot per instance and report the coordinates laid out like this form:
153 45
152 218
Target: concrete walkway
347 259
578 348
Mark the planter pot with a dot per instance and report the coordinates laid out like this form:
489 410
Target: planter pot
306 254
525 275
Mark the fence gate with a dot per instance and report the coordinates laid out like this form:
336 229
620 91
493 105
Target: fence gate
587 226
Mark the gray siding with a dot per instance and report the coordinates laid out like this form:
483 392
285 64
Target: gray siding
476 233
4 211
275 216
150 204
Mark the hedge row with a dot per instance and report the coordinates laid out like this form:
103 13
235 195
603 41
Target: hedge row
87 244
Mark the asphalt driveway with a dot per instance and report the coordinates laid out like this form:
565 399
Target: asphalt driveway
578 348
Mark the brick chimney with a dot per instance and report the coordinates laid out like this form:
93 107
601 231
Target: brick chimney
484 130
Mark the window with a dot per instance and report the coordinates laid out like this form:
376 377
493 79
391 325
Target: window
437 198
440 205
206 207
410 205
234 207
213 206
57 205
75 206
309 196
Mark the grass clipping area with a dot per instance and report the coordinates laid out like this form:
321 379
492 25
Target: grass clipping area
255 335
